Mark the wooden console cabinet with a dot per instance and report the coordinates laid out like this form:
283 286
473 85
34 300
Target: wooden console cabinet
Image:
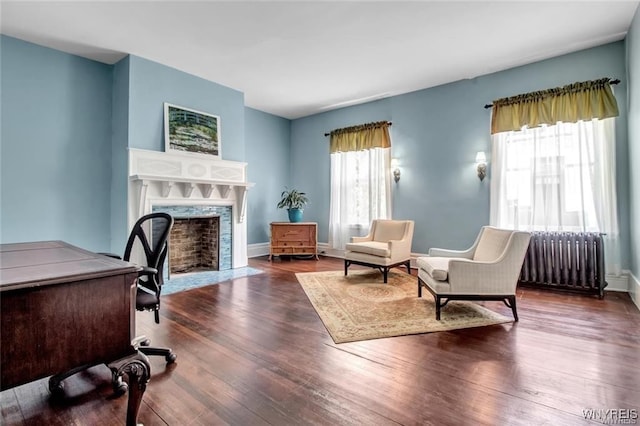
294 238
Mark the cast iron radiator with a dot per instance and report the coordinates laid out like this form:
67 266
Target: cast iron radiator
565 260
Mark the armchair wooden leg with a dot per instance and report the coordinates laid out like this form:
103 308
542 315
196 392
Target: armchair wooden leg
408 265
346 266
419 288
440 305
511 303
385 273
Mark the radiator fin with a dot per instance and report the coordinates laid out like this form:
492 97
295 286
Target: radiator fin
566 260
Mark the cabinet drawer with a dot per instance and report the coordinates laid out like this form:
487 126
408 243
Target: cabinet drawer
293 233
306 250
282 250
294 244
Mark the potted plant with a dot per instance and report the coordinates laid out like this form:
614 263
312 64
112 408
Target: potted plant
294 201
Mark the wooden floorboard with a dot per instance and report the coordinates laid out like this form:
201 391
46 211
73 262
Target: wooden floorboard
253 351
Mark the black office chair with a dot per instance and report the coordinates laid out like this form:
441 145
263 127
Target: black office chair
151 278
151 232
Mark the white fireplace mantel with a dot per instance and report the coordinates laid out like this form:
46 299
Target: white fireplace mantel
166 178
206 186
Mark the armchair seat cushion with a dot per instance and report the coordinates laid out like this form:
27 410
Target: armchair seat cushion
374 248
436 267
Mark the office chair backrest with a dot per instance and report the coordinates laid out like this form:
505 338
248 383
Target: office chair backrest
152 232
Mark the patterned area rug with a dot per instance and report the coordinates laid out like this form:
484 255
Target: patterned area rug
361 307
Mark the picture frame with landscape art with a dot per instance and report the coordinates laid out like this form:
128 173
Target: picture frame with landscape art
191 132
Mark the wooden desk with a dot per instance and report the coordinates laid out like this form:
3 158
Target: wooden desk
63 307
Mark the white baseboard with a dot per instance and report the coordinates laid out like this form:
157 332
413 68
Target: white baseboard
256 250
618 283
634 289
325 250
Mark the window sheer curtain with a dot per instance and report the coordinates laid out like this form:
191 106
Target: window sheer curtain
360 181
558 176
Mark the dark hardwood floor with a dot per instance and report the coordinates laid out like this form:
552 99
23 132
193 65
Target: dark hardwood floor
252 351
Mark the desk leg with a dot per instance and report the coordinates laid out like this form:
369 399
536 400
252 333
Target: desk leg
137 368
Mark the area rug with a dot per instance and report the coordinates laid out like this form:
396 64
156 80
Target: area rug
361 307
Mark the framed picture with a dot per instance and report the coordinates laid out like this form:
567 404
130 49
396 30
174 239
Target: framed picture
190 131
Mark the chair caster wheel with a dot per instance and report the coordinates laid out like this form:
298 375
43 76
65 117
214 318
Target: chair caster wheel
171 358
56 387
120 387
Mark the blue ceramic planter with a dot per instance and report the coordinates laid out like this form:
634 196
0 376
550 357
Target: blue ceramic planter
295 215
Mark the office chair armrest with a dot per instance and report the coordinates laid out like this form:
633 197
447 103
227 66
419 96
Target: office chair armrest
147 270
149 283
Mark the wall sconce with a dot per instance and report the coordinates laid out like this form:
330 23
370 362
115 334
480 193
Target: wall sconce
481 162
396 169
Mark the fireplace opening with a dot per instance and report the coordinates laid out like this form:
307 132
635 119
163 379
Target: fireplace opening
194 244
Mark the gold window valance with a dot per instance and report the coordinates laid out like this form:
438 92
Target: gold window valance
361 137
571 103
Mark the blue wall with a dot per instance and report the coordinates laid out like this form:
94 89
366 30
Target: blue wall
268 156
151 84
435 135
55 146
633 71
67 123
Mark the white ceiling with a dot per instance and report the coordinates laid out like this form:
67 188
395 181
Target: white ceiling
298 58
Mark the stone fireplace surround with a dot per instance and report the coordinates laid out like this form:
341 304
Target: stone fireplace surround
224 215
185 184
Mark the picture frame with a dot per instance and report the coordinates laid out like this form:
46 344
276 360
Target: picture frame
192 132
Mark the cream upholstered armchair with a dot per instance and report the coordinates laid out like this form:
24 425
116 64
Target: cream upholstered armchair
489 270
387 245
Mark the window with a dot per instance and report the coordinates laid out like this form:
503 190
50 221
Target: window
557 178
360 180
548 174
360 192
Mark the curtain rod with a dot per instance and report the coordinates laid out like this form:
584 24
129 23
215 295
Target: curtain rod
616 81
329 134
